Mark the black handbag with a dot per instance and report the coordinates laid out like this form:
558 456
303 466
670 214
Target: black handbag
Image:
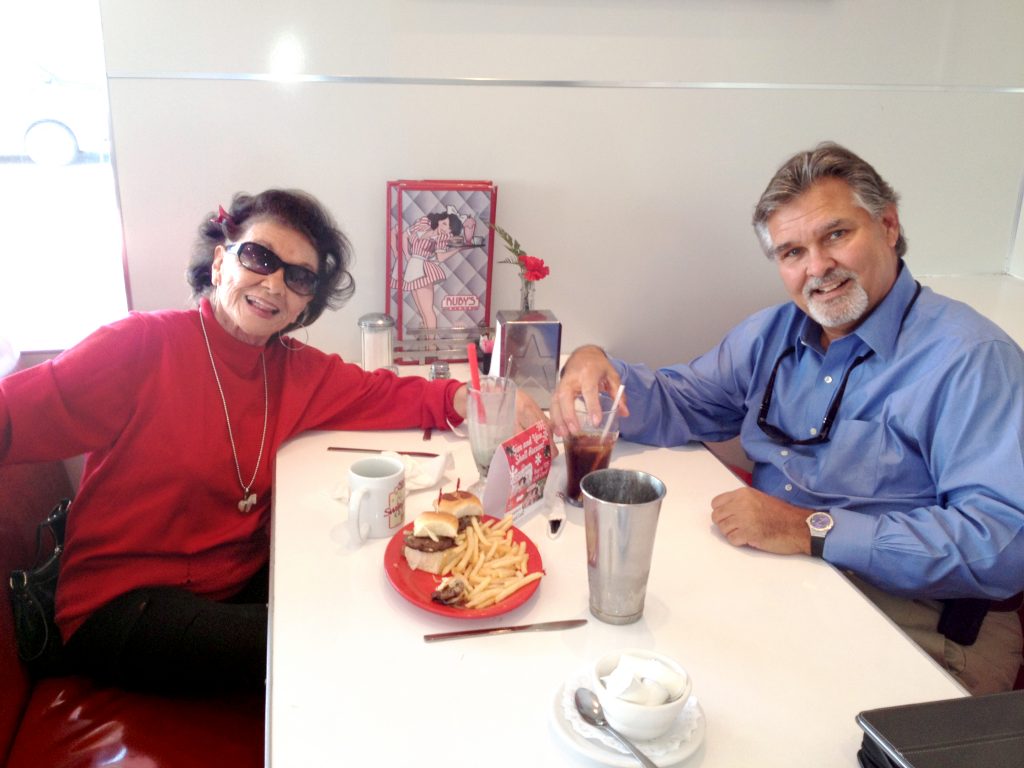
33 596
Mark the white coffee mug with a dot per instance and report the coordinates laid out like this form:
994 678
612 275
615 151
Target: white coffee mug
376 502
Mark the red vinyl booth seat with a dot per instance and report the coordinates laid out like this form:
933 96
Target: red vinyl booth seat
72 722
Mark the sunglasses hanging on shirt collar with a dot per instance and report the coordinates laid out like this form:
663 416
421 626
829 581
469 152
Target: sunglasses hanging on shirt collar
822 434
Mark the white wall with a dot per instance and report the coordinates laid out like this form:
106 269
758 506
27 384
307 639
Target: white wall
629 141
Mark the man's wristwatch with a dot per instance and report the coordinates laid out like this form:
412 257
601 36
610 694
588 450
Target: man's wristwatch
819 523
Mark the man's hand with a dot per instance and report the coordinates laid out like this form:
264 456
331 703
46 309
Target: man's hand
587 372
755 519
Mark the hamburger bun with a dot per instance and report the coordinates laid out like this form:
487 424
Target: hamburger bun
435 525
424 561
462 504
432 534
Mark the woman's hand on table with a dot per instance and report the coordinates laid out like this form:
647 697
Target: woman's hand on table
460 400
528 412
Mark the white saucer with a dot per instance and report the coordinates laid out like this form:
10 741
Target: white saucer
662 752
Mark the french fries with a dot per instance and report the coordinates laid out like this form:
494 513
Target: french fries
492 565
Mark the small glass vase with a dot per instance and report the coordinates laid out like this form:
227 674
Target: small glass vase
526 295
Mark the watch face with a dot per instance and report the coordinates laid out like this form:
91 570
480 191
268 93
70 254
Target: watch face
820 521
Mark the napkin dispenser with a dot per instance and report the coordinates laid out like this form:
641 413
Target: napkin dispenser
527 349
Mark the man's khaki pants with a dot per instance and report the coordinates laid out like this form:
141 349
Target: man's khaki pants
989 665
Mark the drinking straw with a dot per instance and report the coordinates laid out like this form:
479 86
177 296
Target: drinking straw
474 378
504 389
611 412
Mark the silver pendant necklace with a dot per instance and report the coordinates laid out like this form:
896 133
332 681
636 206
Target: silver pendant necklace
248 500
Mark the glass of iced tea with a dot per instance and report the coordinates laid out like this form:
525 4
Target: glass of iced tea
590 448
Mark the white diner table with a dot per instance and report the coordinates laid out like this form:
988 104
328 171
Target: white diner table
783 651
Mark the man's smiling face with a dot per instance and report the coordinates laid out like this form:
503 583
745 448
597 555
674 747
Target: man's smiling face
836 261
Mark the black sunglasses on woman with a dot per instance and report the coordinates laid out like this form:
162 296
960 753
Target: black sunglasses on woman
263 261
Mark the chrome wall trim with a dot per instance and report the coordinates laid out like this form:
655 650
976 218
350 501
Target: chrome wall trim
495 82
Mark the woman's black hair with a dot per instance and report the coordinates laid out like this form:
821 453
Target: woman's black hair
296 210
453 221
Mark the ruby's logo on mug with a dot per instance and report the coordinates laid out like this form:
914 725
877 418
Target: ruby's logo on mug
395 511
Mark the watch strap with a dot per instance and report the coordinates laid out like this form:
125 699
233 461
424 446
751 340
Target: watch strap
819 524
817 545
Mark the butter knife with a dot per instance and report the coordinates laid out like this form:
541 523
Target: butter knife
418 454
543 626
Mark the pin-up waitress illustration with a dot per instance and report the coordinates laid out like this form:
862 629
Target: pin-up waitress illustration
429 242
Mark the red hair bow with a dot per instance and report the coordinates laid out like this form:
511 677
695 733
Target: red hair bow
223 216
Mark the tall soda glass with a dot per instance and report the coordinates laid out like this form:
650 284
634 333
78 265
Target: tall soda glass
491 420
589 449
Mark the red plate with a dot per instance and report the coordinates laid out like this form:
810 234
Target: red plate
418 586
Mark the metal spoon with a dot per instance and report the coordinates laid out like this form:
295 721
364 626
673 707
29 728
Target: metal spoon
590 710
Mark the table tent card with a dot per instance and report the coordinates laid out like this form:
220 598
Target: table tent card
439 260
518 473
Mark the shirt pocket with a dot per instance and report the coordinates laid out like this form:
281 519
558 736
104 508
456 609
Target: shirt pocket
865 460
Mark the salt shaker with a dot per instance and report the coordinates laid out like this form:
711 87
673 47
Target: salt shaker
378 335
439 370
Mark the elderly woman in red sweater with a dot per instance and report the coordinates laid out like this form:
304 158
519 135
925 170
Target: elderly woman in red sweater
163 580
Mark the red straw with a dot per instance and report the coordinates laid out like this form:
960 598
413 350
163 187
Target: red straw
474 366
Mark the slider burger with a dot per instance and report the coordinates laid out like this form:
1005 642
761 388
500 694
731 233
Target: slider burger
463 504
432 534
451 591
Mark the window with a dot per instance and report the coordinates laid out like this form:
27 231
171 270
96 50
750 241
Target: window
61 254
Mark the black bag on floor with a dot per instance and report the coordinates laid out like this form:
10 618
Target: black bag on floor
33 596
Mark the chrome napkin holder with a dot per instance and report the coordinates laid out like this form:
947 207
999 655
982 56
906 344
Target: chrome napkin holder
527 349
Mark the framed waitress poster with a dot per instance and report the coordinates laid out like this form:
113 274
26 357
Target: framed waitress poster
439 259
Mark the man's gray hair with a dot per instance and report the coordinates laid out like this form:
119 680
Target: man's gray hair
828 160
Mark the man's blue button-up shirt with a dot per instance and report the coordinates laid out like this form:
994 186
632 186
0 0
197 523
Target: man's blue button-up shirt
924 468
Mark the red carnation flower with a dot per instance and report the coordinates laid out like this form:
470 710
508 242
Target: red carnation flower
533 269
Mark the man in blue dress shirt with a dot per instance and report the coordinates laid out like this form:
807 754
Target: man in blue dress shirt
885 422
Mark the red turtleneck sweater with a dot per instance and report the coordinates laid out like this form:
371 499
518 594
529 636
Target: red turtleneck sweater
159 494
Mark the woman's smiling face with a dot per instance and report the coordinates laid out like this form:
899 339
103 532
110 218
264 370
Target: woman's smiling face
253 307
